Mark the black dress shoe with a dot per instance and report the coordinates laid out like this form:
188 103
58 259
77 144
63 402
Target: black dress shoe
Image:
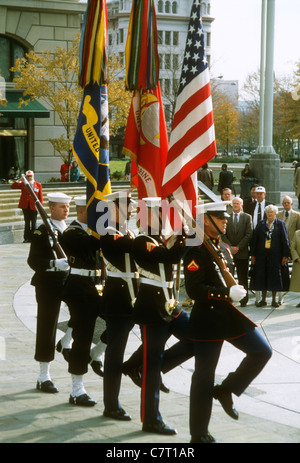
275 304
163 386
205 439
46 386
298 306
261 304
82 400
63 351
135 375
225 399
159 428
118 414
97 367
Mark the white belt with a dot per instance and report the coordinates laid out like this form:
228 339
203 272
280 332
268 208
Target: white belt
121 274
54 269
84 272
159 284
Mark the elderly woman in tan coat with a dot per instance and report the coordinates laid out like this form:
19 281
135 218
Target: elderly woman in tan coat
295 253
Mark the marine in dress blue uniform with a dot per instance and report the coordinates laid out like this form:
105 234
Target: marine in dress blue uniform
119 294
214 319
49 279
157 313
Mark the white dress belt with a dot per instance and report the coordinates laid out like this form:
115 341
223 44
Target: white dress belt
159 284
121 274
84 272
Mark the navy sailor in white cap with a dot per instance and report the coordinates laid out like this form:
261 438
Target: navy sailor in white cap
49 279
83 299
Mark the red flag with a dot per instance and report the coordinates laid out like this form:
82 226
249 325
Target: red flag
146 139
192 141
146 142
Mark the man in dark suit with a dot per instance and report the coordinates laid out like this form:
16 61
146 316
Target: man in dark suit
225 178
238 235
257 210
250 202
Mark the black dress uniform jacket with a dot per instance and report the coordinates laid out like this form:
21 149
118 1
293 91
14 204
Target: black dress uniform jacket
150 304
117 296
83 251
40 255
213 317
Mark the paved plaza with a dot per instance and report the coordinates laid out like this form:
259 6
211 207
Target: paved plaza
269 409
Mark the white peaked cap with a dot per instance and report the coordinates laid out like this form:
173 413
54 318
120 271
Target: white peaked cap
218 208
29 172
59 198
80 200
154 201
119 195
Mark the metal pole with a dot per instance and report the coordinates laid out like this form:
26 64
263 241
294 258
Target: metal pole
269 79
262 73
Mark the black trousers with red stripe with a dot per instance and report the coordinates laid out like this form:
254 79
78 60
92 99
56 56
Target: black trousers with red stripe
154 339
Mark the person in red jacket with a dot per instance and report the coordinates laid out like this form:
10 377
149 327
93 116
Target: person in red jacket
26 203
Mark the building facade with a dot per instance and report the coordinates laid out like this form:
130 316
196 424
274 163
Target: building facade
172 26
32 25
41 25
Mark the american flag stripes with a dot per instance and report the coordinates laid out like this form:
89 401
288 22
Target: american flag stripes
192 141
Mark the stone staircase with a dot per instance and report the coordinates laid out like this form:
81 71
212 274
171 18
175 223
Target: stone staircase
11 217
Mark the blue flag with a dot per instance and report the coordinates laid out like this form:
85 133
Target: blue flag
91 148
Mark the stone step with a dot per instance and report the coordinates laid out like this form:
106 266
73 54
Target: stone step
9 199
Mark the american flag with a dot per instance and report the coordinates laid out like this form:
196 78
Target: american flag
192 141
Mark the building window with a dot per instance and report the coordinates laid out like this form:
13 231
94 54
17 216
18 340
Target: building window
10 51
175 38
160 7
168 38
159 37
174 8
168 7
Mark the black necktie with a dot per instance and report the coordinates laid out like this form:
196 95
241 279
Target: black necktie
259 213
235 222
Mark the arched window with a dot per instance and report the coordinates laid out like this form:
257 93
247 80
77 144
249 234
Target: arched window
168 7
174 8
10 51
160 6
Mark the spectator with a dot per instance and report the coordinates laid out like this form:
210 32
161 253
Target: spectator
226 195
225 178
26 203
74 172
128 170
297 184
246 172
290 217
238 235
269 257
295 253
64 171
249 203
205 176
257 211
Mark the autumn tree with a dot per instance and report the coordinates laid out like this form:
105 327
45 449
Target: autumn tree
226 123
53 77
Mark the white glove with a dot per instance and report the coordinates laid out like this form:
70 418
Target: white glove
62 264
237 293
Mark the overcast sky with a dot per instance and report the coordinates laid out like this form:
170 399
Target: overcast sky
236 37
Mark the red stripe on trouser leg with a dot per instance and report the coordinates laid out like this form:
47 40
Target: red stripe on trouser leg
144 373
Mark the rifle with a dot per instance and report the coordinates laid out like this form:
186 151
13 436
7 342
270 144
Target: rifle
47 222
207 242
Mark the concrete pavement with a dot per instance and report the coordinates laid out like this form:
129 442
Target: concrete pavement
269 409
